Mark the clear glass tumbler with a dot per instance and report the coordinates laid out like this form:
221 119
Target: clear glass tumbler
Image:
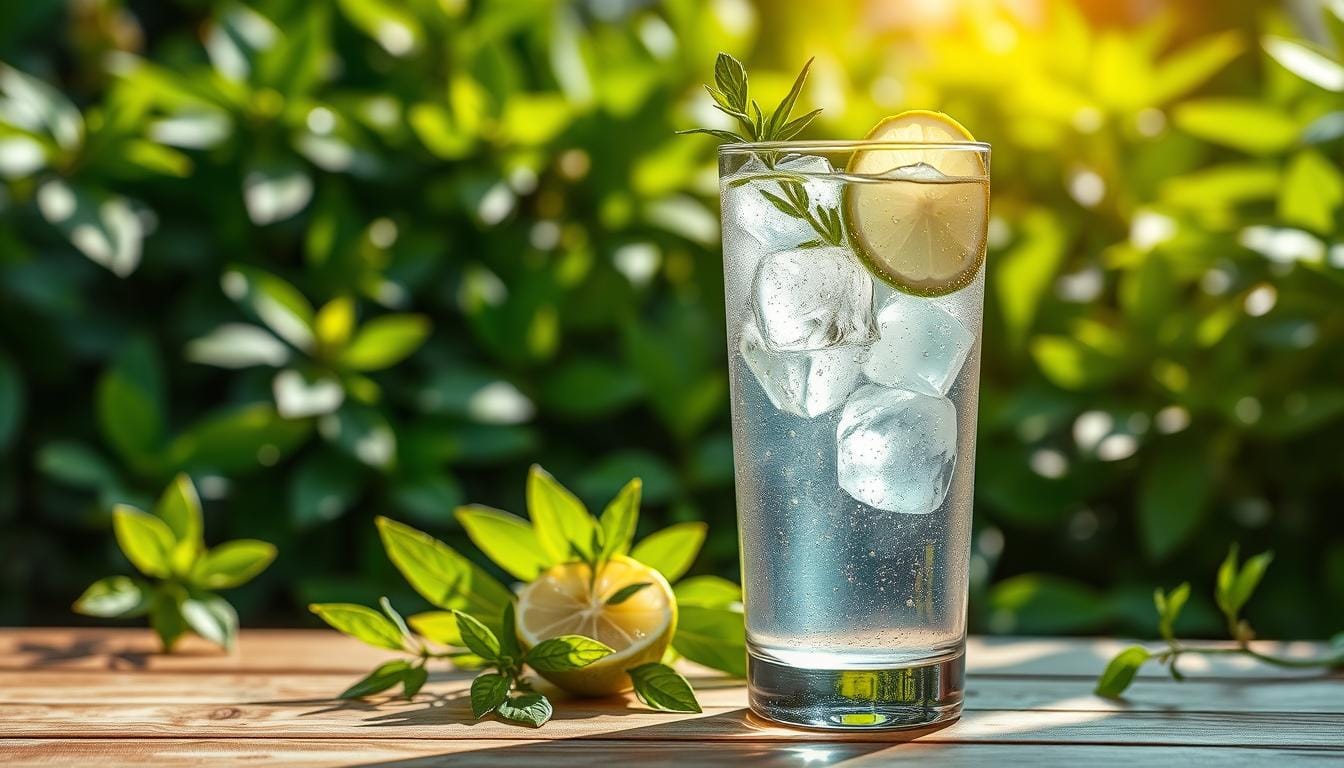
854 285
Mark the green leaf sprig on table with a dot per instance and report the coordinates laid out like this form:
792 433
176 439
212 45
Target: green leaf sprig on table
730 97
167 545
474 626
1235 584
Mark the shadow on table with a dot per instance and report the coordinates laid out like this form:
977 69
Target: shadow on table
47 655
723 738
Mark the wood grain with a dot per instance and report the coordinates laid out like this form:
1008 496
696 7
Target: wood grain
104 696
581 753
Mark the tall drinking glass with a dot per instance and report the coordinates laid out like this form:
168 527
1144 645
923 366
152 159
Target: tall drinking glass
854 284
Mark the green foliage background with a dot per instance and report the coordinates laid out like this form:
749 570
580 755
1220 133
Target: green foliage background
350 257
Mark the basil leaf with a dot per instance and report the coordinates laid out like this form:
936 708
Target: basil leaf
413 680
1120 672
506 539
180 508
443 577
559 518
671 550
211 617
361 623
714 637
488 691
619 519
477 636
233 563
114 597
438 626
566 652
731 78
662 687
508 633
627 592
530 709
385 676
146 540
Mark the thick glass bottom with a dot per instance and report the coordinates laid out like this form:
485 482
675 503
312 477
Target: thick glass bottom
857 699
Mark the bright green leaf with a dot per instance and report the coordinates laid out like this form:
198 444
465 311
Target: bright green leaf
114 597
385 341
1312 192
619 519
180 508
1026 271
274 301
1250 126
1306 61
1252 571
1039 603
558 517
1120 671
211 617
477 637
714 637
165 617
442 576
707 591
233 563
362 623
506 539
1192 65
673 549
436 626
146 540
566 652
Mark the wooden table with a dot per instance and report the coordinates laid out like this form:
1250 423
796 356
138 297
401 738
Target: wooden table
82 697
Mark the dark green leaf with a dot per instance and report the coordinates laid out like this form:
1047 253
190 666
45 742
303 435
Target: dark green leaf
795 127
627 592
1039 603
165 616
274 302
385 676
529 709
731 78
1120 672
323 487
130 400
361 623
508 633
780 117
662 688
488 691
11 401
114 597
237 440
558 654
413 680
722 135
1173 493
233 563
477 636
76 464
673 549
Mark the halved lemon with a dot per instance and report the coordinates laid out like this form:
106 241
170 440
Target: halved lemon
639 628
921 226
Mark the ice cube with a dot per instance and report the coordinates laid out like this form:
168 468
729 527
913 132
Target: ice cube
916 172
813 298
771 227
921 345
805 384
896 449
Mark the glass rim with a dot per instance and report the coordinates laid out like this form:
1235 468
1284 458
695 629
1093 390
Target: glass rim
843 145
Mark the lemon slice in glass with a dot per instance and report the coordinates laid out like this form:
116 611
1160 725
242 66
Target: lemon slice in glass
921 227
639 628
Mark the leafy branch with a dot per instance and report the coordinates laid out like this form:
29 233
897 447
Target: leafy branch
730 97
475 626
1235 585
168 546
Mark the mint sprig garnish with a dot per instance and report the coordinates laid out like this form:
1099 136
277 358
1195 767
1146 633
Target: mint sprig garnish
167 545
731 98
474 627
1235 584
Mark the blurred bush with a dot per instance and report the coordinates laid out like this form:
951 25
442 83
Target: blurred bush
364 256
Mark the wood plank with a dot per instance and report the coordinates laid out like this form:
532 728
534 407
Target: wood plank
583 753
324 651
448 717
1318 695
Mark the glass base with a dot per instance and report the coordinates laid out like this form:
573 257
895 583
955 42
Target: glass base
857 699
